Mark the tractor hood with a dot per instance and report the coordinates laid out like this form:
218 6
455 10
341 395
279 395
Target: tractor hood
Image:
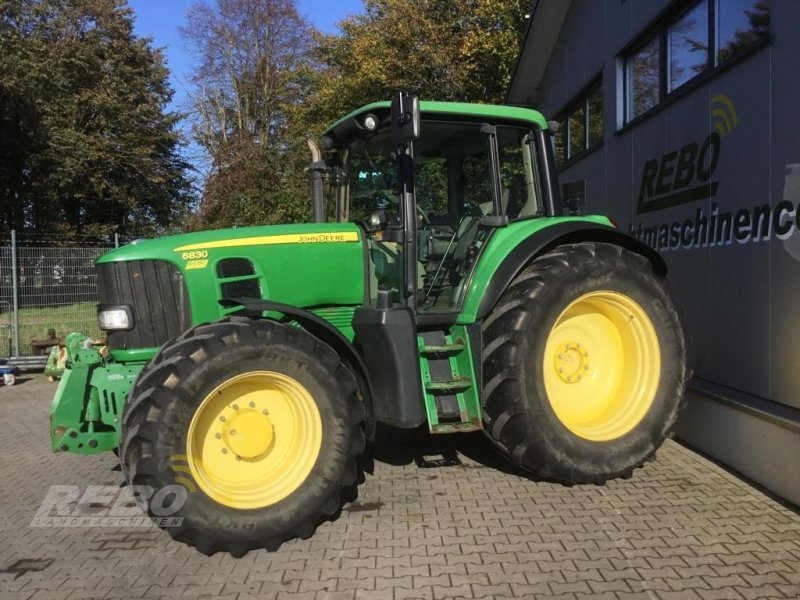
176 248
305 265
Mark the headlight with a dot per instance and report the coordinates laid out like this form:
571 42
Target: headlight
113 319
370 122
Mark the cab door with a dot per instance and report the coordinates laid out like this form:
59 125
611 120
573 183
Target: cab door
469 179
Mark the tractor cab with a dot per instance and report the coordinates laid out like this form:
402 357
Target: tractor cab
429 201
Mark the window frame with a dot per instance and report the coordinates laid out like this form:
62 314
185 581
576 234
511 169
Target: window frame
660 28
577 101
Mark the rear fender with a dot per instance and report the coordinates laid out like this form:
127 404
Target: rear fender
544 240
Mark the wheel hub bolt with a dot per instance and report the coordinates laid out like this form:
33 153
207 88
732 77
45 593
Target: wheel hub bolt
571 361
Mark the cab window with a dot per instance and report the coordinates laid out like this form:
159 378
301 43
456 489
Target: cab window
370 178
520 196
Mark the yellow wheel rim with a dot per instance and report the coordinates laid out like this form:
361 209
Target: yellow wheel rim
602 365
254 439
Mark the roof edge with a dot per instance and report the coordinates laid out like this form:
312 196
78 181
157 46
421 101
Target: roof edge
500 111
544 28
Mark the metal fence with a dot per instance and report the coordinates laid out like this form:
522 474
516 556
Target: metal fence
47 290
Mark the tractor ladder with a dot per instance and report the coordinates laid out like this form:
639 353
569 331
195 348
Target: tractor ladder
452 401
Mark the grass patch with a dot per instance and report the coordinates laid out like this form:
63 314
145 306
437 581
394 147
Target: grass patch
35 322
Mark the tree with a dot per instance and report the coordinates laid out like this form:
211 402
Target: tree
254 69
458 50
86 142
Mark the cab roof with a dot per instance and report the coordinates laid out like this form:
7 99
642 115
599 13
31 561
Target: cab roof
447 109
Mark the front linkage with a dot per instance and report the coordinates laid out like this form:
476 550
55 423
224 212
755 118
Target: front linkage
86 410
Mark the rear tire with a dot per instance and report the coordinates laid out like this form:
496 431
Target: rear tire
584 365
300 430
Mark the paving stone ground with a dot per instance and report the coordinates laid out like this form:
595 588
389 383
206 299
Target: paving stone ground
438 518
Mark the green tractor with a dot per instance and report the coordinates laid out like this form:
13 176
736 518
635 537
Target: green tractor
440 285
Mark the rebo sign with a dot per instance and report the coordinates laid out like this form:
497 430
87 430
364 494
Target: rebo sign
680 176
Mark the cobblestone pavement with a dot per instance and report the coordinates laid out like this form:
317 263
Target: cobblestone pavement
422 527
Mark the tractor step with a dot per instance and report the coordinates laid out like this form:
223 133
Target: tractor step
443 350
448 387
473 425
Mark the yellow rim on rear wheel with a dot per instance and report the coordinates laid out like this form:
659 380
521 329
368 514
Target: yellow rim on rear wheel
602 365
254 439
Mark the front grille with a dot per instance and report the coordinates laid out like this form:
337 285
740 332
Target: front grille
156 292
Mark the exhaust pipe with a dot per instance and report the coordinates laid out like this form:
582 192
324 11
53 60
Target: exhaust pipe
317 193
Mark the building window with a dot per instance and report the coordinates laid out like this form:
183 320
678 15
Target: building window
687 39
683 44
740 23
576 131
644 78
581 124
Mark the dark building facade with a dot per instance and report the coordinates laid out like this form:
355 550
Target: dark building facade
681 121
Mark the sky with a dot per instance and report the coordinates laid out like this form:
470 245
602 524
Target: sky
160 19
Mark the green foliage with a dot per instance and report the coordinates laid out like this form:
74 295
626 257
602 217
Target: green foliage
86 144
458 50
254 185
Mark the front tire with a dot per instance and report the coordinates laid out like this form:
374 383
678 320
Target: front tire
258 421
584 365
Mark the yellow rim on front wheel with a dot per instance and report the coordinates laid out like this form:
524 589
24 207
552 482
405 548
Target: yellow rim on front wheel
254 439
602 365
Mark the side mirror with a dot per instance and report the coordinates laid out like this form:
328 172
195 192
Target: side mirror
405 119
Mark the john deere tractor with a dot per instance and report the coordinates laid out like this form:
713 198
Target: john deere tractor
440 285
